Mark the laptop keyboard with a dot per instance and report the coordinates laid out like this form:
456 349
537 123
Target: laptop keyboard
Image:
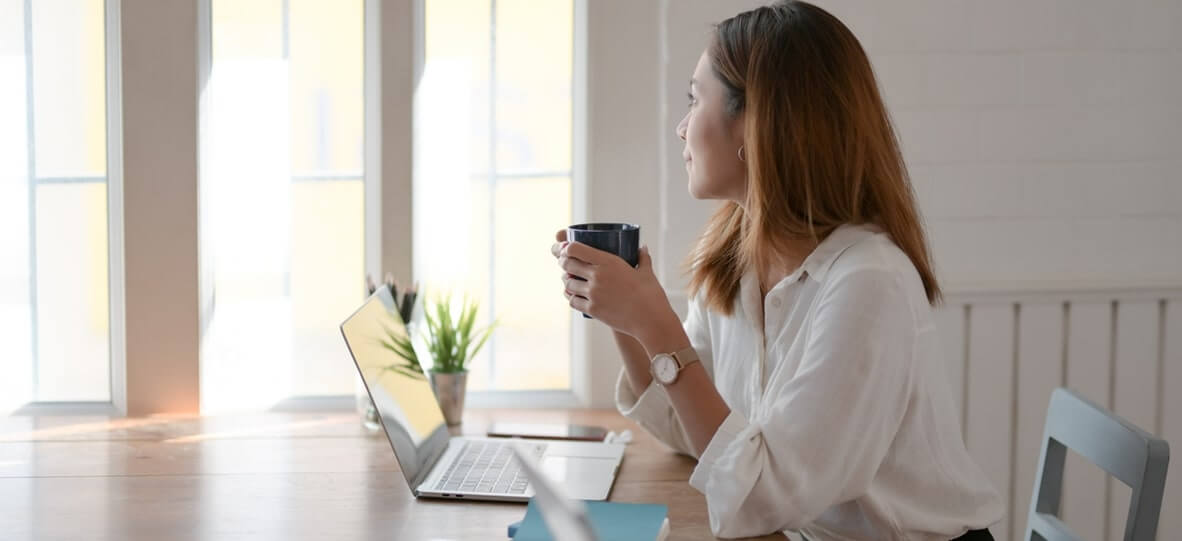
487 466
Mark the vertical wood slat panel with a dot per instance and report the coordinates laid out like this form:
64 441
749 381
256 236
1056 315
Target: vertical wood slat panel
1135 389
1170 524
950 320
990 371
1089 339
1040 371
1129 365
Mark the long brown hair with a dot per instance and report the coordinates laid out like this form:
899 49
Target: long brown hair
821 151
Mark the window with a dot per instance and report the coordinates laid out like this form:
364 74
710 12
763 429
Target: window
54 301
281 199
493 177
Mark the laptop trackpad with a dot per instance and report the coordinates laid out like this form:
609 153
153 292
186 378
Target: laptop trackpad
582 478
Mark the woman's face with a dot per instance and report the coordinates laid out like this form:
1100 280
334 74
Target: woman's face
712 140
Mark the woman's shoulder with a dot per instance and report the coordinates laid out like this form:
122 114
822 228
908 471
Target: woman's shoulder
875 260
872 251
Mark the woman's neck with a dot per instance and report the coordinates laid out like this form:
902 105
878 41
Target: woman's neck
780 266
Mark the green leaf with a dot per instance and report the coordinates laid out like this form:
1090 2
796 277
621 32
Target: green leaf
450 337
408 372
467 318
403 350
405 370
401 347
487 333
397 341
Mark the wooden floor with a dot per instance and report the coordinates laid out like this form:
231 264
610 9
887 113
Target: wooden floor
289 476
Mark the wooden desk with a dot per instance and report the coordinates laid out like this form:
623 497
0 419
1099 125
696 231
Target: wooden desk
273 476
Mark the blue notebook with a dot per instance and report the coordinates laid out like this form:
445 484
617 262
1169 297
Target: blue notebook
611 520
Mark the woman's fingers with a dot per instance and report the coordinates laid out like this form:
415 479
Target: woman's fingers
576 267
575 287
589 254
571 296
572 284
579 303
556 248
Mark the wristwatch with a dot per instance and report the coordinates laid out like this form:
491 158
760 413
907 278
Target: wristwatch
666 367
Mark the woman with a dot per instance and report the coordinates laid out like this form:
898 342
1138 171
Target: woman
807 378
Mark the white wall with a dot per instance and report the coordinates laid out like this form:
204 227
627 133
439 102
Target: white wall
1044 137
621 167
687 26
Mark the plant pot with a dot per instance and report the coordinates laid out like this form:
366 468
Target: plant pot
450 388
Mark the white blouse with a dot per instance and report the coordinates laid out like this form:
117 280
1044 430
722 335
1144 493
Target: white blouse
842 423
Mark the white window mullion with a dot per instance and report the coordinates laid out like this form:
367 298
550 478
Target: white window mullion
580 370
116 280
492 186
32 183
373 137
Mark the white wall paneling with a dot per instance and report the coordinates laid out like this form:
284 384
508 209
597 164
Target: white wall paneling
1120 348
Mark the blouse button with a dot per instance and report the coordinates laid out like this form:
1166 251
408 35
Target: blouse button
775 302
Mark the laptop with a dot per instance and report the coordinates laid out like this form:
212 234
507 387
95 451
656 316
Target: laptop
438 465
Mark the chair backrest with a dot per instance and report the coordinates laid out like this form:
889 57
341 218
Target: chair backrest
1117 446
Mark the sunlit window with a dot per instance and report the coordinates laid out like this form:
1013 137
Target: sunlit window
493 152
281 200
54 307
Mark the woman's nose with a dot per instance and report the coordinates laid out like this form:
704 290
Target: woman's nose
681 127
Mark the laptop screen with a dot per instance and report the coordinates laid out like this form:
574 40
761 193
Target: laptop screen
409 413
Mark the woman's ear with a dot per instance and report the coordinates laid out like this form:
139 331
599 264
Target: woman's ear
739 130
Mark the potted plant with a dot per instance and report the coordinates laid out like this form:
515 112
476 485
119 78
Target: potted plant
452 343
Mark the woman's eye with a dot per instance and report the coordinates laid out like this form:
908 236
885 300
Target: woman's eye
691 99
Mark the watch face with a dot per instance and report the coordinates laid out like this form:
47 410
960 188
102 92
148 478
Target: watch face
665 368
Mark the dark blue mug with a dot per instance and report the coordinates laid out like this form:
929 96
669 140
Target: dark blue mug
620 239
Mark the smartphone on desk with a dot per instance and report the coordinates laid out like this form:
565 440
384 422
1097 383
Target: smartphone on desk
547 431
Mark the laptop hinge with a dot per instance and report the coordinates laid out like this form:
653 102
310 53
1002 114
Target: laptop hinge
434 455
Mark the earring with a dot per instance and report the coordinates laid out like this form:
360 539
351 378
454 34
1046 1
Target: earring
742 158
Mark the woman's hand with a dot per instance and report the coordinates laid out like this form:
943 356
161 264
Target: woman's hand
629 300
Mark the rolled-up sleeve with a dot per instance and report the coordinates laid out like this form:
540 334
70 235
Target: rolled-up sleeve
652 409
819 435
